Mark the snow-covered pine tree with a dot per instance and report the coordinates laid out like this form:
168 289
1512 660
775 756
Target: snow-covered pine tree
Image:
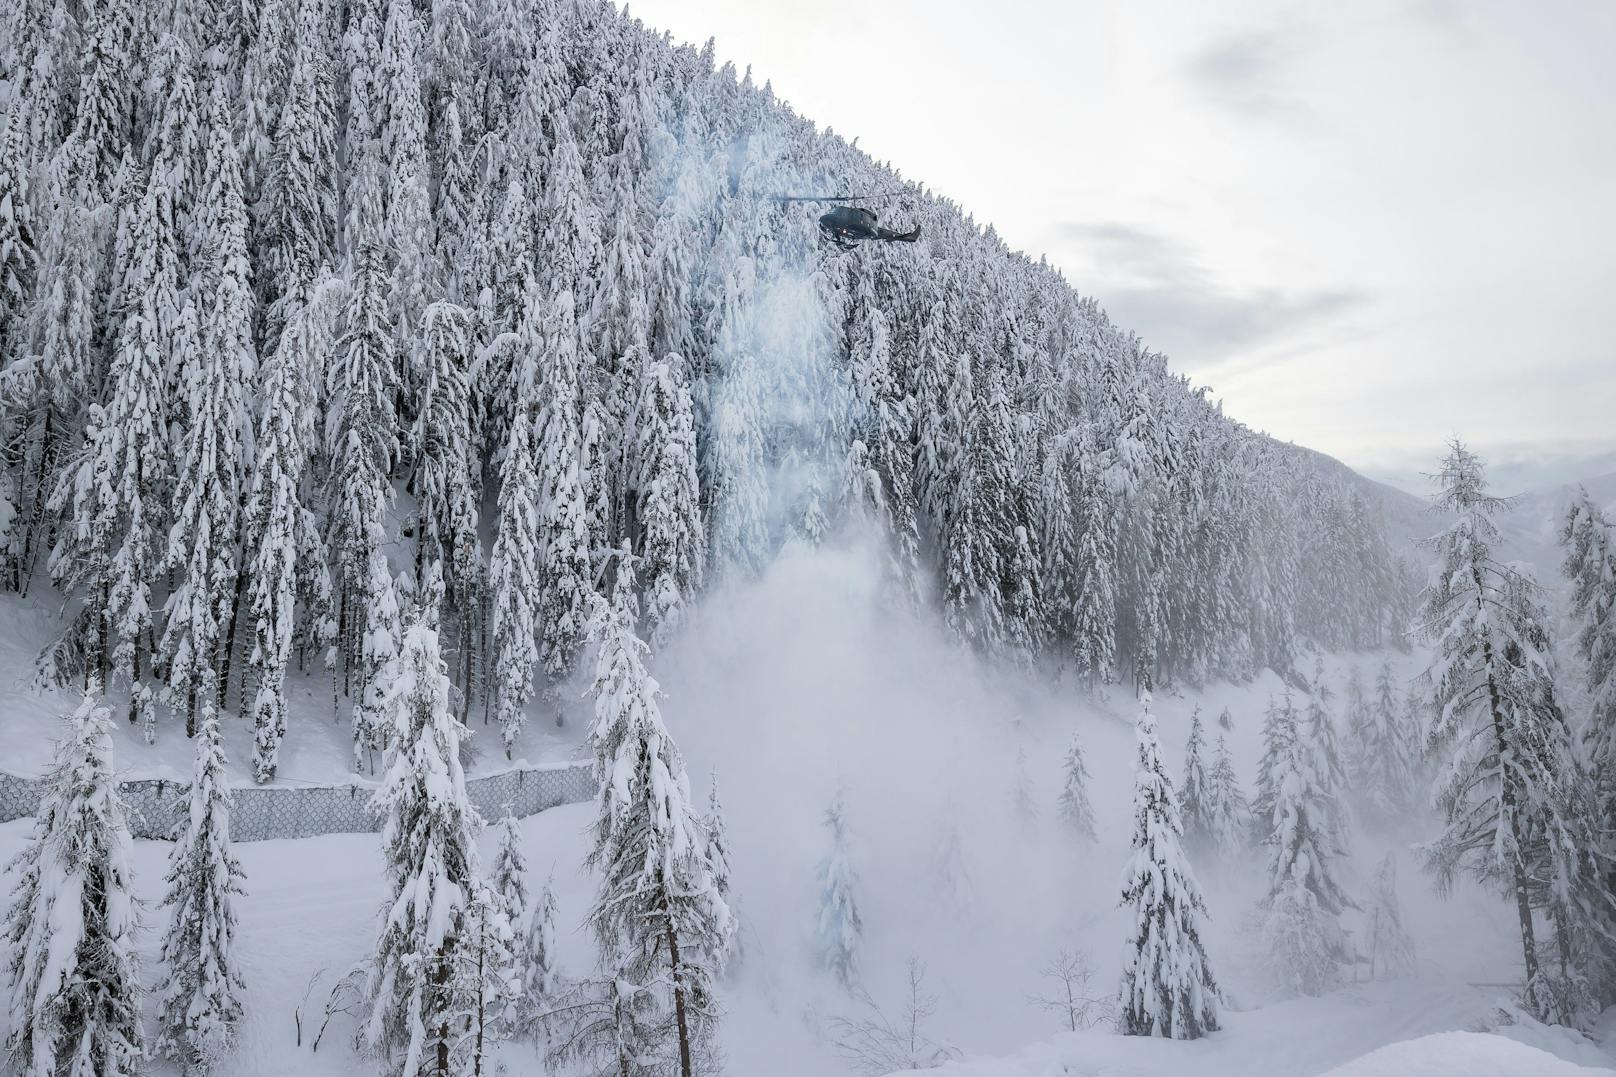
275 519
70 929
1590 567
1303 939
1076 814
1355 717
19 256
446 464
298 203
57 361
1229 816
454 221
1167 984
1568 863
114 499
100 137
658 919
737 472
840 928
217 363
486 988
429 845
360 46
1391 950
668 496
566 531
981 535
508 876
1506 787
718 864
361 440
508 881
1026 617
1387 754
1194 794
541 973
1024 799
1094 622
403 133
264 70
1329 772
378 646
175 136
515 568
201 998
1281 727
943 398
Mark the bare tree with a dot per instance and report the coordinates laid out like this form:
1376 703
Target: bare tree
874 1043
1069 973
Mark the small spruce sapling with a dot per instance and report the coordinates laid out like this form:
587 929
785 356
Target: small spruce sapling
1193 794
201 1000
718 864
1391 950
1025 799
1076 814
840 927
1167 985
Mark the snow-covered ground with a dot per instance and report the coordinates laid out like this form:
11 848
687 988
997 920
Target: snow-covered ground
1437 1054
798 685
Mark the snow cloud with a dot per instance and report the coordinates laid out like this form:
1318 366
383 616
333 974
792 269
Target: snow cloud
1156 287
1251 73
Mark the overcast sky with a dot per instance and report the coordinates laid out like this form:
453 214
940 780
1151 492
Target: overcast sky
1367 226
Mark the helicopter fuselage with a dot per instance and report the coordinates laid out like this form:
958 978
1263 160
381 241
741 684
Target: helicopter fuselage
848 225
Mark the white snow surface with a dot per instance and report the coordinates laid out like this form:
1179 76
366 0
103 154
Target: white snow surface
1440 1054
798 683
1462 1054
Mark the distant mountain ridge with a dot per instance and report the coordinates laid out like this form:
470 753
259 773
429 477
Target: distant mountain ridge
1529 522
1408 518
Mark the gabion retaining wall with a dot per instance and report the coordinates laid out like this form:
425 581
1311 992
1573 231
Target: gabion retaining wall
277 812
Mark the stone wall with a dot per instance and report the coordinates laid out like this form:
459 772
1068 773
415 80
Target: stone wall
261 812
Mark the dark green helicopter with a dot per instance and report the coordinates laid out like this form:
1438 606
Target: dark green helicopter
848 226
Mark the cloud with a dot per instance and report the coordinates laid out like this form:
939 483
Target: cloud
1247 73
1449 18
1154 286
1512 467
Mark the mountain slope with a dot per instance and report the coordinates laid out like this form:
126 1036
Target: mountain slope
514 308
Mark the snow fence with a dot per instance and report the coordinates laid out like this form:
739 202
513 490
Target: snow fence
261 812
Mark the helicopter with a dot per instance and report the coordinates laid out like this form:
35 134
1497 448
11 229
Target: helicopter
848 226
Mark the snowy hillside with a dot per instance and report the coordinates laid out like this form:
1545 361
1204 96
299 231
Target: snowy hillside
1532 522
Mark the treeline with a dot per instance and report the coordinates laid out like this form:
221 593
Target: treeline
308 304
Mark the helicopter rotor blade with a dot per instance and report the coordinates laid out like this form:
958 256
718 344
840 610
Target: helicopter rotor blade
872 197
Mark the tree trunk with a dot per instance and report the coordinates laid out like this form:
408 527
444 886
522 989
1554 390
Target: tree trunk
482 999
225 660
468 639
1523 904
36 512
440 985
678 996
134 682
